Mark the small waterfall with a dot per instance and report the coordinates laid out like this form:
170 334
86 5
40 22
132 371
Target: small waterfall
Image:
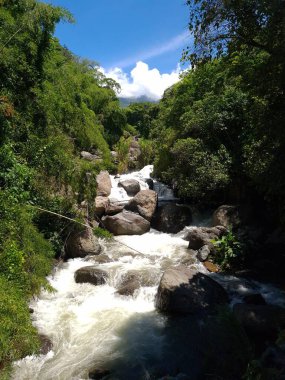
94 327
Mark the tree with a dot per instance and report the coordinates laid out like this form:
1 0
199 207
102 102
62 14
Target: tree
222 26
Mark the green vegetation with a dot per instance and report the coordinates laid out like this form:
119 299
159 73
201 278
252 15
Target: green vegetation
229 251
219 133
53 105
216 136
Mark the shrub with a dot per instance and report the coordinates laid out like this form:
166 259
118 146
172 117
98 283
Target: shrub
229 251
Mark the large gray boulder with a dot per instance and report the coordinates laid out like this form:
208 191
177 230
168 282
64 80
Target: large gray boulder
114 208
201 236
101 205
183 290
91 275
129 285
126 223
81 244
104 184
171 218
144 203
90 157
260 320
227 216
131 186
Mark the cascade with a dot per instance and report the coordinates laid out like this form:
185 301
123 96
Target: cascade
94 327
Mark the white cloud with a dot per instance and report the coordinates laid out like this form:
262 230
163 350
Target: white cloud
143 81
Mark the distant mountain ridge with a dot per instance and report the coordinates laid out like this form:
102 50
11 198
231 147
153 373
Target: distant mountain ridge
125 102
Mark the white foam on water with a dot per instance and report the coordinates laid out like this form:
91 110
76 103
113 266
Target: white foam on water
88 324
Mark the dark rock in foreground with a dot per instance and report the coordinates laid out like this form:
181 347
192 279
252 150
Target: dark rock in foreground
98 374
183 290
126 223
260 320
254 299
172 218
91 275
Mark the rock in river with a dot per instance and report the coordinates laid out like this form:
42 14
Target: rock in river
81 244
144 203
183 290
131 186
126 223
171 218
91 275
201 236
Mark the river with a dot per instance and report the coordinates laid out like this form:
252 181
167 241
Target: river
93 327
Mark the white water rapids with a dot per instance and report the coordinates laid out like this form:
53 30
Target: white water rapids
93 327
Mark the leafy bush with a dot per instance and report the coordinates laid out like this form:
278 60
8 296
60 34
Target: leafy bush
229 251
196 172
122 149
147 153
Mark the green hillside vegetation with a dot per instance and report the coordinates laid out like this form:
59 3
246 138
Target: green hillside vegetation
219 133
216 136
53 105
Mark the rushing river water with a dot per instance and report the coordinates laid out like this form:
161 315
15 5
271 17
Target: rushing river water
93 327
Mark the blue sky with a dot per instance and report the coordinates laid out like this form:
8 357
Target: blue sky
120 33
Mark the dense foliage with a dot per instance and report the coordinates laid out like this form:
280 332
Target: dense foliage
216 136
221 128
53 105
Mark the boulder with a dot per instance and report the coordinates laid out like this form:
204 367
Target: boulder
104 184
260 320
201 236
144 203
46 344
90 157
227 216
183 290
150 183
91 275
131 186
254 299
100 259
171 218
114 208
98 374
128 286
81 244
101 204
203 253
126 223
211 267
